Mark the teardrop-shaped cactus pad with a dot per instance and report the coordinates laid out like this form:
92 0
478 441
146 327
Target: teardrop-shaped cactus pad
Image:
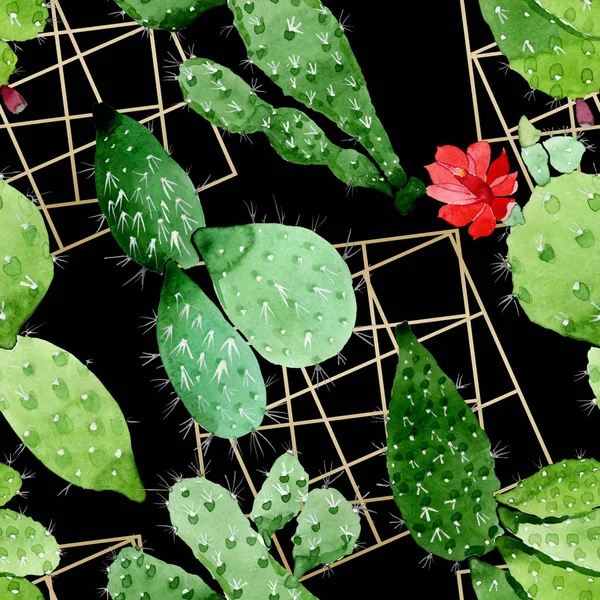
439 459
281 496
14 588
8 62
150 203
27 267
10 483
328 530
213 369
134 574
492 583
286 288
61 411
22 20
566 488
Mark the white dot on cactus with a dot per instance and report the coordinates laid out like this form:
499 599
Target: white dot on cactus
224 274
78 473
114 473
526 14
283 332
93 427
577 286
259 278
126 131
243 311
169 11
260 230
113 146
270 257
268 349
565 322
7 259
242 248
106 139
26 433
192 8
56 418
119 453
378 139
107 160
92 449
60 452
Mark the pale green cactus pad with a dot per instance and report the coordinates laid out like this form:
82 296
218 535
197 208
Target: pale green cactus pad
209 520
328 529
491 583
8 62
27 267
211 367
10 483
573 15
26 547
66 417
439 459
227 101
566 488
593 371
281 496
22 20
14 588
134 575
150 203
287 290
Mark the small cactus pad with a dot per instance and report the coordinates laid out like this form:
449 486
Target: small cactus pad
301 46
227 101
536 159
544 579
10 483
150 203
566 488
286 288
554 60
22 20
134 575
529 135
593 371
328 529
171 15
439 459
212 368
26 547
14 588
579 15
27 267
8 62
574 539
209 520
553 257
67 418
491 583
565 153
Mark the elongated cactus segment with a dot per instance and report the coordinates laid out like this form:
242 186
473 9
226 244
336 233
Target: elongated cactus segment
67 418
593 371
14 588
10 483
209 520
536 159
150 203
134 574
582 16
227 101
22 20
281 496
566 488
328 529
26 547
27 267
439 459
491 583
286 288
8 62
211 367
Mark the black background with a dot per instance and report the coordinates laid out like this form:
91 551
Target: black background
413 56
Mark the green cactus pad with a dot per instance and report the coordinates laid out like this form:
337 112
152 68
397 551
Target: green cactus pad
13 588
301 46
215 373
67 418
439 459
27 267
544 579
491 583
286 288
209 520
26 547
579 15
22 20
8 62
536 160
529 135
150 203
566 488
553 257
328 529
281 496
134 574
593 371
565 153
171 15
10 483
227 101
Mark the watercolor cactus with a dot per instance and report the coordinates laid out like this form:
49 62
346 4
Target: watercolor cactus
19 589
439 459
27 267
22 20
579 15
8 63
492 583
10 483
593 372
67 418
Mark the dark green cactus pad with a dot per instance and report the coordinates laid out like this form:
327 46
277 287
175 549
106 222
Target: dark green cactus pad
150 203
171 15
227 101
553 257
61 411
287 290
439 459
281 496
491 583
209 520
10 483
328 529
582 16
22 20
566 488
593 371
8 62
214 371
26 547
27 267
134 575
14 588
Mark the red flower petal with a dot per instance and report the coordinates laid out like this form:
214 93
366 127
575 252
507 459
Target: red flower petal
499 168
481 153
505 186
451 194
459 216
477 187
440 174
484 223
502 208
452 156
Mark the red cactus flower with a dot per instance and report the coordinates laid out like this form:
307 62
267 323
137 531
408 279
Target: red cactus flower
13 101
472 190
